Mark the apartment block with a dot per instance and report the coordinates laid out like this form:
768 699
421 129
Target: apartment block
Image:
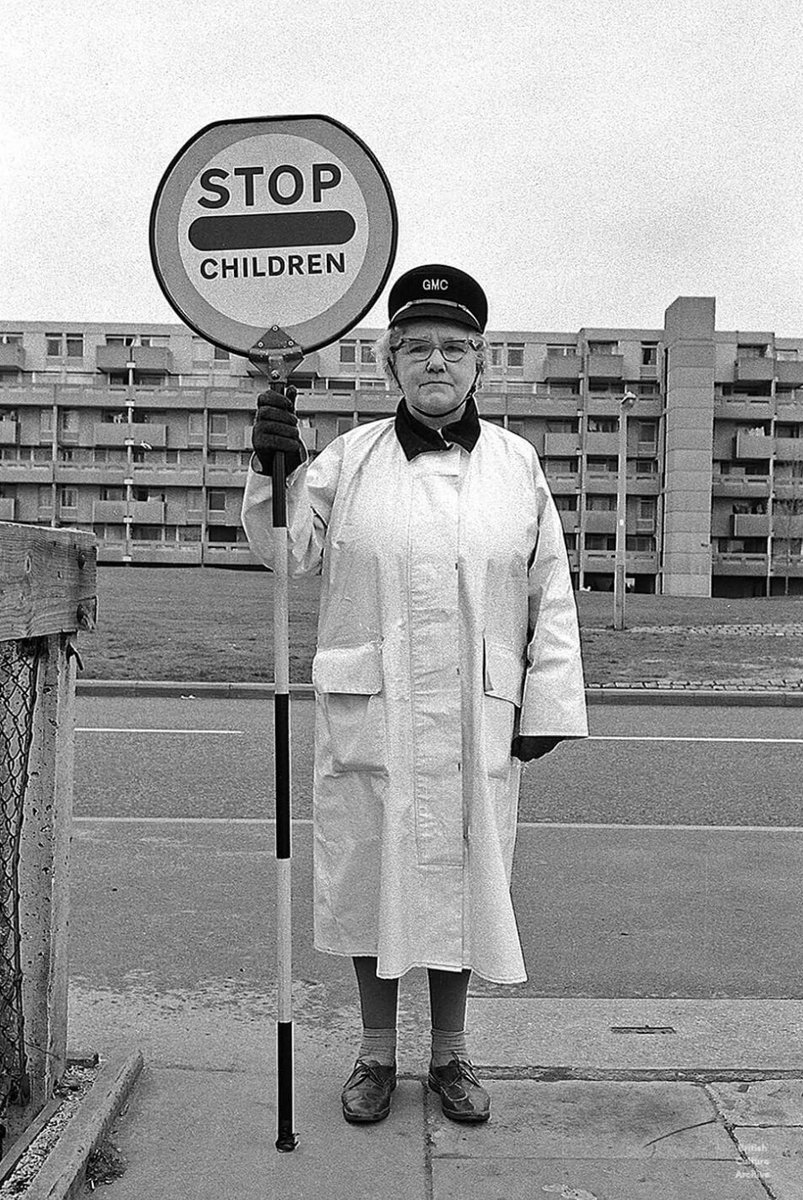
141 434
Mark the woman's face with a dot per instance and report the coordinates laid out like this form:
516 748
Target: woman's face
433 386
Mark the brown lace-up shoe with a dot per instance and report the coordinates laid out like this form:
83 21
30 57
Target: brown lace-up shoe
366 1094
463 1098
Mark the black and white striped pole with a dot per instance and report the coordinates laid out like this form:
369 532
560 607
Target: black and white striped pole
286 1138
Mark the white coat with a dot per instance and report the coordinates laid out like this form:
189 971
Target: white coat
447 623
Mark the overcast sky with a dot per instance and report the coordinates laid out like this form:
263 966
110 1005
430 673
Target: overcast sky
587 160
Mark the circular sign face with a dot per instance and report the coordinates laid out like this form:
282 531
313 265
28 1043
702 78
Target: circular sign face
273 234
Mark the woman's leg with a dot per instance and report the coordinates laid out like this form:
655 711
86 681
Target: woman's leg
448 992
378 1004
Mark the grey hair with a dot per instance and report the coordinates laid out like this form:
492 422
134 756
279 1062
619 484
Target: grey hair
382 351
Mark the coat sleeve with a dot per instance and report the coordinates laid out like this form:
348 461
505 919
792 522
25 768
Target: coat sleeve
553 703
311 489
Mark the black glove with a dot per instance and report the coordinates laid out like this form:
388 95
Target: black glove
528 748
276 428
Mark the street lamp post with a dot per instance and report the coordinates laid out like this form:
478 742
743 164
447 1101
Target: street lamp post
625 404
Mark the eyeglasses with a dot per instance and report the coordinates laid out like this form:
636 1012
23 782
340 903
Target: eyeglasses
419 349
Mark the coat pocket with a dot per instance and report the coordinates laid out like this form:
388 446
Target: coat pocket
503 684
350 729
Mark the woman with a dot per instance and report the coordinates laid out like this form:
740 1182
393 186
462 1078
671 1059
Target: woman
448 653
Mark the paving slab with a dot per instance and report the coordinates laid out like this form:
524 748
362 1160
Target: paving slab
580 1119
776 1156
713 1034
205 1135
766 1102
593 1179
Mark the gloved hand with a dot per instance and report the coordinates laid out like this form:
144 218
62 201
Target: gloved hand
528 748
276 428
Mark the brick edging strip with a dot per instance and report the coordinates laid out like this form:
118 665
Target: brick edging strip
609 694
62 1175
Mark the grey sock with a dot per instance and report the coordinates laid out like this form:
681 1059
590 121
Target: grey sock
380 1045
445 1043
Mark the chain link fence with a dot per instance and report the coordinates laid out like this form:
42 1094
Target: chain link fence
19 661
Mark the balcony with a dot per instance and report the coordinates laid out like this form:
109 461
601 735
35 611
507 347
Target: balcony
637 562
561 445
603 443
569 521
166 477
9 432
739 564
108 433
751 525
12 357
114 512
225 555
753 445
789 372
600 521
740 485
743 408
225 477
605 366
754 370
787 449
147 360
7 506
26 472
560 366
786 525
167 553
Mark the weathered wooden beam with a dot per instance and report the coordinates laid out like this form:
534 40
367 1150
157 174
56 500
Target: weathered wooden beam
48 581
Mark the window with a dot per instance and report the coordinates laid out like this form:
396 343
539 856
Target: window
754 350
66 454
195 426
45 497
112 416
112 493
515 354
497 349
603 466
46 421
348 352
600 503
603 425
68 420
75 345
649 354
218 424
561 466
640 542
54 344
645 389
221 355
225 533
558 426
343 425
216 501
189 533
603 347
141 494
561 350
10 339
147 533
646 466
194 499
600 541
565 503
787 355
120 339
367 353
68 498
645 508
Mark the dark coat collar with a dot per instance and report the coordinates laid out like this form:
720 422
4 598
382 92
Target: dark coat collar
417 438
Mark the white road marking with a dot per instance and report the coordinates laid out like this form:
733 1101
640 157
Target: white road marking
660 737
521 824
102 729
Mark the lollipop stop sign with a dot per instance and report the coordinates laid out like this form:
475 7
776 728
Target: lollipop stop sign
273 235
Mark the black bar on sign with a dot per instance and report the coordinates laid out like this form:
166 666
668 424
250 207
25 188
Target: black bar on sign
266 231
281 741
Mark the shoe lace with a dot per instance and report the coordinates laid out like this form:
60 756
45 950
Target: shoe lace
366 1069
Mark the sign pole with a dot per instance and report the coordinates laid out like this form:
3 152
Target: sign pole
286 1138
